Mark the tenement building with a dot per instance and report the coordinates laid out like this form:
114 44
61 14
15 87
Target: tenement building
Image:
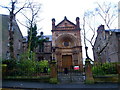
107 45
66 44
17 35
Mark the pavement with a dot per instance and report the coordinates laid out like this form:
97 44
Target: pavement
44 86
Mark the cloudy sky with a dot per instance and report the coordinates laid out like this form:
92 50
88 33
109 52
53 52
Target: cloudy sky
57 9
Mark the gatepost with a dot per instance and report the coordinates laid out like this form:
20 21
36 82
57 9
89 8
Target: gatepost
88 72
53 67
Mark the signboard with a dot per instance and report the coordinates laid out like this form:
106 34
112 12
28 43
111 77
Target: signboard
76 67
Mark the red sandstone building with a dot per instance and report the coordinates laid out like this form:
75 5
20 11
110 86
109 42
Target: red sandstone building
66 44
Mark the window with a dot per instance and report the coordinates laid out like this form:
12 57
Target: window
98 48
40 58
7 55
66 44
65 24
75 62
110 32
109 60
8 44
8 26
19 45
41 48
104 36
18 57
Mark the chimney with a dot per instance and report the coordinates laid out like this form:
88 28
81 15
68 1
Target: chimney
77 23
100 28
53 23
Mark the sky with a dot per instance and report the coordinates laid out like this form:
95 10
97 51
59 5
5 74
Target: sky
57 9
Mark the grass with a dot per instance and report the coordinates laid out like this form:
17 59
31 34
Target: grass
107 78
107 75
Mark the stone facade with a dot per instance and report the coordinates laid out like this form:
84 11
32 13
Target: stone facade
66 44
110 52
18 38
44 53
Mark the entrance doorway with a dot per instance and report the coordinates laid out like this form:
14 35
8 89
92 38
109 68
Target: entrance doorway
66 61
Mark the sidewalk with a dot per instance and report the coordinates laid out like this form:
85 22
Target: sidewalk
38 85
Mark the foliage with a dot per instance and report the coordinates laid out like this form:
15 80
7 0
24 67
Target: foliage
89 81
4 69
53 80
11 63
28 55
26 66
32 37
41 41
41 65
103 69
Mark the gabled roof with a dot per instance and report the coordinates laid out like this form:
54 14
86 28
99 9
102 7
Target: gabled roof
65 21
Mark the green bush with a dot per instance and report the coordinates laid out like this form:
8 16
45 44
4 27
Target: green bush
26 66
43 64
89 81
103 69
97 70
53 81
4 69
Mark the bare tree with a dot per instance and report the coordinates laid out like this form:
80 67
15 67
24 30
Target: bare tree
31 25
12 13
106 13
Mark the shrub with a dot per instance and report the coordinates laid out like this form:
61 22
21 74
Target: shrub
97 70
26 66
4 67
53 81
106 68
42 65
89 81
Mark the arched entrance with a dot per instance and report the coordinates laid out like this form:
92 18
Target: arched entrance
64 52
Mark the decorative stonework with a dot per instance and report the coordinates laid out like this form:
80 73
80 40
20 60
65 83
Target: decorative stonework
66 41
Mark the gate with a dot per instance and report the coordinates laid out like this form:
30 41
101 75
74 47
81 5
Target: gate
67 73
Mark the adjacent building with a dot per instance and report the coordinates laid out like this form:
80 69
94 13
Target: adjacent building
18 38
44 51
107 45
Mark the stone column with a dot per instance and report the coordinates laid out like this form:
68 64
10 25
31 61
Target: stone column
88 73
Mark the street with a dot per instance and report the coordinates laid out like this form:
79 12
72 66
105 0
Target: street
39 85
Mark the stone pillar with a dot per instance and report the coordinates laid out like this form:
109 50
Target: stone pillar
88 73
53 68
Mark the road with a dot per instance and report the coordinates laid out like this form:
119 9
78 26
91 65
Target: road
39 85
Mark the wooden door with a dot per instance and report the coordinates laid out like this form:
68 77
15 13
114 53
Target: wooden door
66 61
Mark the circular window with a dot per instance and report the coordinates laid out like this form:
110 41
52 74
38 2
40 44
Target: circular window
66 44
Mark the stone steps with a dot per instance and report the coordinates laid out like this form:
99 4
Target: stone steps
71 78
